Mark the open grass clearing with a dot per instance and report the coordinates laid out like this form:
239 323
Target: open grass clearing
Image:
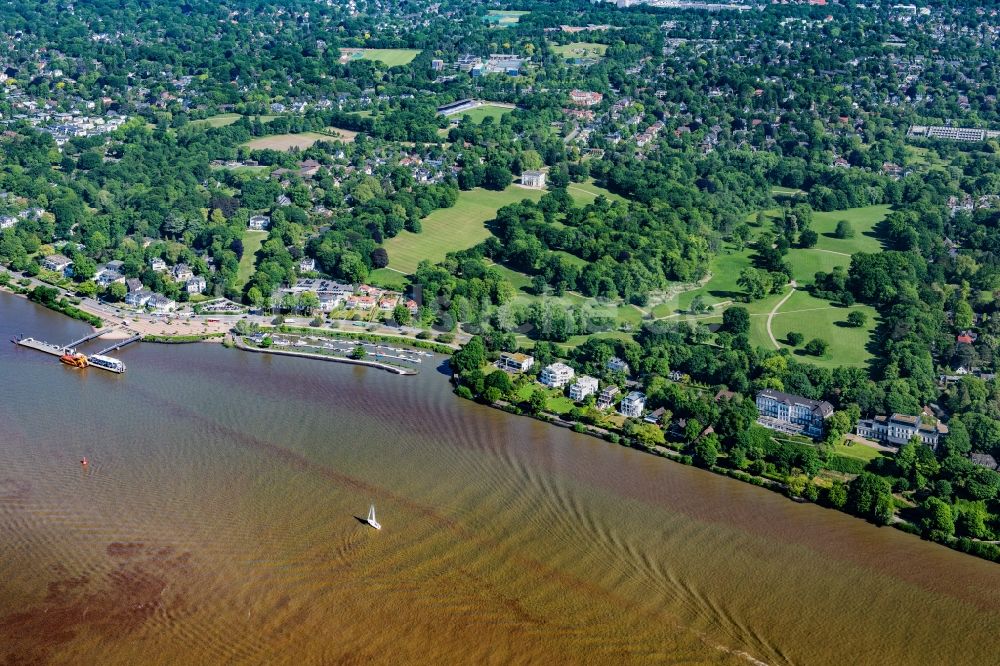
252 240
862 220
390 57
388 279
223 119
816 318
451 229
299 141
586 192
856 451
347 136
482 112
580 50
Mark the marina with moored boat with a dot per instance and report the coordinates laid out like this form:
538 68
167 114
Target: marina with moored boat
68 354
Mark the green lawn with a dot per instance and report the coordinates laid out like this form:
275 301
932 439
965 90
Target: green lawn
580 50
388 279
863 220
584 193
450 229
806 263
725 269
480 113
815 318
252 240
223 119
390 57
857 451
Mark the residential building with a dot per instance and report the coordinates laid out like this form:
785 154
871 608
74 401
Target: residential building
516 361
157 265
607 397
160 303
584 386
307 264
58 263
633 405
656 416
259 223
899 429
793 414
182 273
615 364
196 285
138 298
585 98
533 179
133 284
7 221
556 375
107 276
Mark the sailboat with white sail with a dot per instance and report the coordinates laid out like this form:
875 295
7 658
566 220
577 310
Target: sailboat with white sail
371 518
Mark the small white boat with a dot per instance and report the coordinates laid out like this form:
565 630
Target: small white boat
371 518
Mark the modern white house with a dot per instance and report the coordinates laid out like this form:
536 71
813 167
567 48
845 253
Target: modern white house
584 386
516 361
633 405
138 298
107 276
533 179
158 265
556 375
58 263
259 223
160 303
616 364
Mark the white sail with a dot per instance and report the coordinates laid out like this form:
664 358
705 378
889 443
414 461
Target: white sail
371 518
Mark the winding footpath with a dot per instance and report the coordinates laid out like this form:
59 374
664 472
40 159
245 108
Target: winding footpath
773 312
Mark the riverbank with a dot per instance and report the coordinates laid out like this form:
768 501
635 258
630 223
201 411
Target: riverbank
239 344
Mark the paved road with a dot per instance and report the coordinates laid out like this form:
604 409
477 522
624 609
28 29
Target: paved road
773 312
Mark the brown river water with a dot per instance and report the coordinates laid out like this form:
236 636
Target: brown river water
216 522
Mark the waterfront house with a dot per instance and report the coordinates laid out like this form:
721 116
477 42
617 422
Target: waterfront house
107 276
584 386
160 303
533 179
259 223
792 414
133 284
615 364
195 285
138 298
58 263
899 429
632 405
516 361
607 397
656 416
556 375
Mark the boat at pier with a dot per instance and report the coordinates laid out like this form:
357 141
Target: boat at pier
74 360
106 363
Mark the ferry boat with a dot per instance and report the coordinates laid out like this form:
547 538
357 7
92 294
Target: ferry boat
75 360
106 363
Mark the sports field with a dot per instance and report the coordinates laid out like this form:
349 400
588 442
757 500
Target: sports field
223 119
390 57
580 50
450 229
300 141
480 113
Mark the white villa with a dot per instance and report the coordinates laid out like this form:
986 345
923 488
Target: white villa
584 386
633 405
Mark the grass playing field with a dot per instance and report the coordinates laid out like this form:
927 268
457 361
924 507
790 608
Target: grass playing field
390 57
223 119
450 229
252 240
480 113
286 141
580 50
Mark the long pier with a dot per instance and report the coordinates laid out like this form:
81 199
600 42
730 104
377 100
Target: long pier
41 345
59 350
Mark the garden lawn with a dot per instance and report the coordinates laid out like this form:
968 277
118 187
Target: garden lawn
807 262
388 279
857 451
816 318
252 240
452 229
